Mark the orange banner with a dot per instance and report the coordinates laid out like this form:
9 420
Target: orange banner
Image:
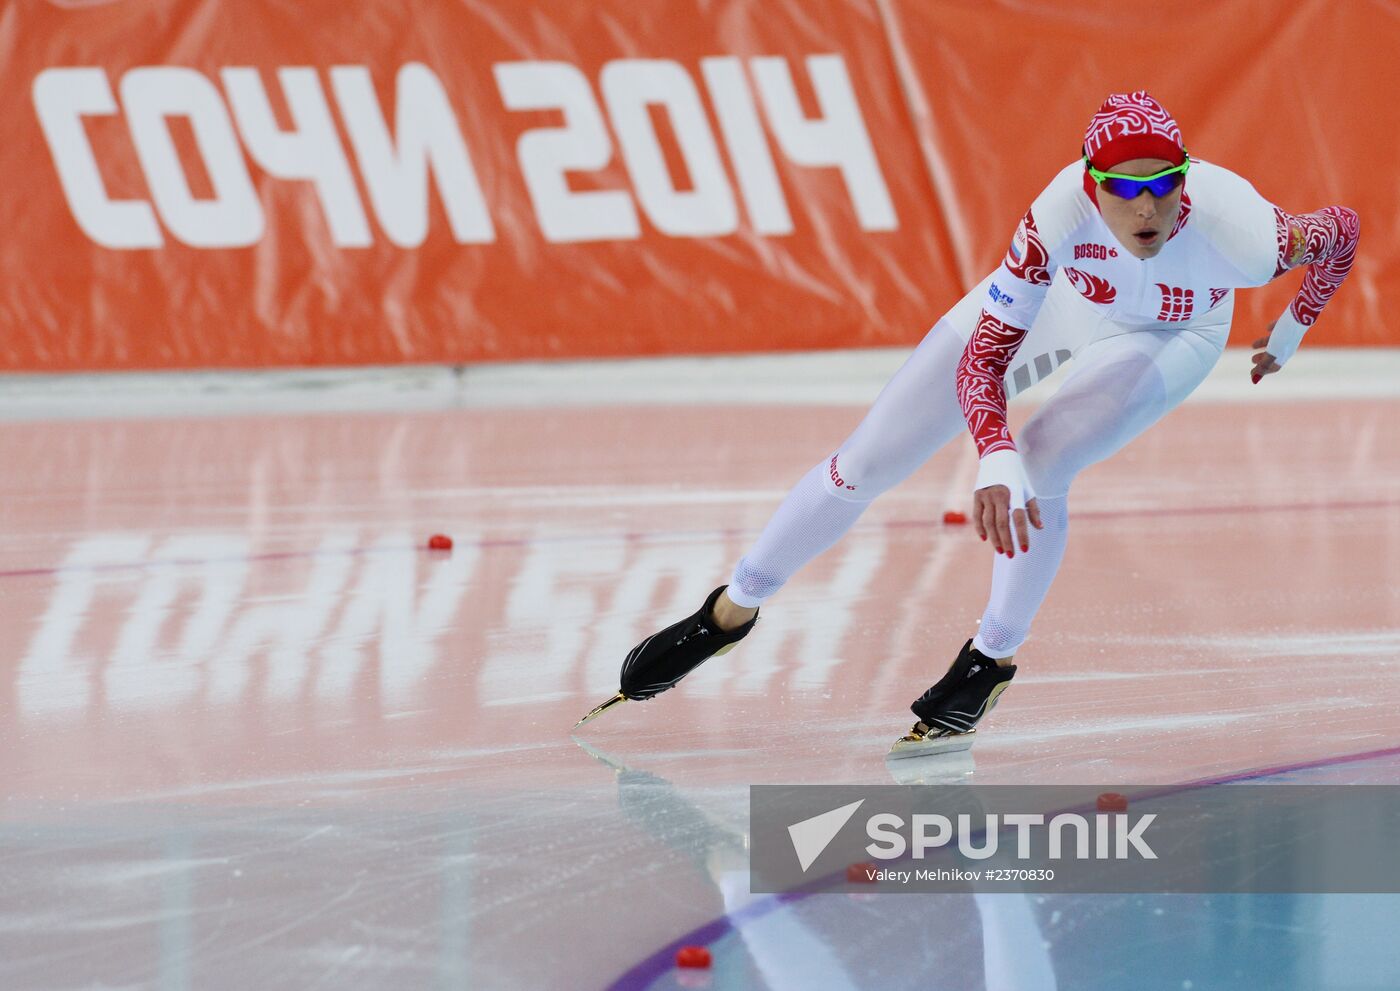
256 183
217 184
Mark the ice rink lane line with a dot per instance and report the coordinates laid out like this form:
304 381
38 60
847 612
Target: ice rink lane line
666 535
646 972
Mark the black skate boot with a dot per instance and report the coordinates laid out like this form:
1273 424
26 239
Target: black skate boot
664 658
949 711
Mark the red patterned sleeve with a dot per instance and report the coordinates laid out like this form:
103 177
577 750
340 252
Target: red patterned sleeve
1017 290
981 382
1027 259
1325 241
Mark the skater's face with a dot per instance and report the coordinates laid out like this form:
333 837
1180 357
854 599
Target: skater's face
1141 224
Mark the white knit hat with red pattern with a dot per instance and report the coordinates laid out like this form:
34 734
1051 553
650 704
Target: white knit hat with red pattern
1132 125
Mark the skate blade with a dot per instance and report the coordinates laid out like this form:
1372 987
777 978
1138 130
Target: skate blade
917 744
598 710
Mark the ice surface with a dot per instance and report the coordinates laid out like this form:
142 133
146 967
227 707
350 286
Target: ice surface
254 734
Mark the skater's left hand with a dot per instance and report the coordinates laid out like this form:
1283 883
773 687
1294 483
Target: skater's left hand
1003 500
1264 363
994 517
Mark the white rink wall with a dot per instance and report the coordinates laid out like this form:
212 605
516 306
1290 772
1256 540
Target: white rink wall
827 378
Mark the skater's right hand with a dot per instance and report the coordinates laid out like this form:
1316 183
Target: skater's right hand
991 508
1004 500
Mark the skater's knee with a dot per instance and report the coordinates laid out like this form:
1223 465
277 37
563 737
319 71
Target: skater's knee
1087 425
1054 512
1050 481
1050 458
852 477
1056 449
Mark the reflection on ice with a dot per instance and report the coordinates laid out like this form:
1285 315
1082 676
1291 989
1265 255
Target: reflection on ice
133 622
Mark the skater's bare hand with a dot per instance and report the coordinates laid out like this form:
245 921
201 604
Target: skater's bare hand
1264 363
992 513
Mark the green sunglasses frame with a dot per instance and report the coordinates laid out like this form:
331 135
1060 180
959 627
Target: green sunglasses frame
1099 177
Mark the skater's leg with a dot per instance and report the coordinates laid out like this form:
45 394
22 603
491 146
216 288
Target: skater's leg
1019 584
1121 385
915 415
808 521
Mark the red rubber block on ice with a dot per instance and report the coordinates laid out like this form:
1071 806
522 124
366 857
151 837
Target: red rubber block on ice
861 873
1112 801
692 956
